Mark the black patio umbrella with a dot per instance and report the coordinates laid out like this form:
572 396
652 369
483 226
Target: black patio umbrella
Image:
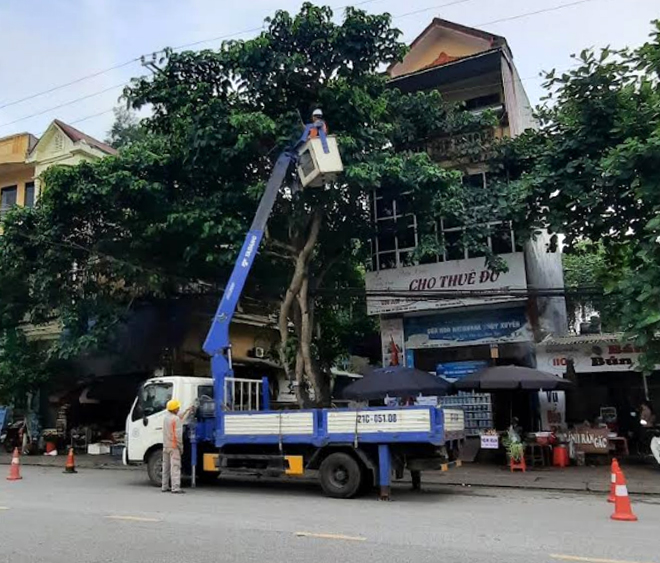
396 381
512 377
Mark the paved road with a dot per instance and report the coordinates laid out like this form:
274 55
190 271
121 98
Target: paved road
108 516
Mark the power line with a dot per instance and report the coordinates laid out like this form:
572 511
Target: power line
542 11
66 84
422 10
137 59
256 29
70 102
92 116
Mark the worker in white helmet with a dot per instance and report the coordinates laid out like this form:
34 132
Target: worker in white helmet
318 124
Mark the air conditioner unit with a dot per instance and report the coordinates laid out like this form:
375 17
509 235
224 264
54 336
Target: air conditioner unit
317 167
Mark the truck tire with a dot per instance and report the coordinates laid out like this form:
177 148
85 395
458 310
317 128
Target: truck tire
155 467
340 475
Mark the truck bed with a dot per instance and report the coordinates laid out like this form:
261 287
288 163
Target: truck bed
318 427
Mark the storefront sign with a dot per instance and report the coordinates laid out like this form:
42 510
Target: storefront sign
468 328
588 358
456 275
489 442
391 337
588 440
457 370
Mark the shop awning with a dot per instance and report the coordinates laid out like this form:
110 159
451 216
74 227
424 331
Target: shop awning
512 377
396 381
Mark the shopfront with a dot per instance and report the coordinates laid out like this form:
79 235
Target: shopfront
609 385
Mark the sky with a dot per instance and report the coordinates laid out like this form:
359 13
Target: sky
46 44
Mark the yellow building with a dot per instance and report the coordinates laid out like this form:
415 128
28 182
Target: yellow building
16 175
23 158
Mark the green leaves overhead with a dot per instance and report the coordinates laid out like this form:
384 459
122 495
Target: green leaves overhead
592 173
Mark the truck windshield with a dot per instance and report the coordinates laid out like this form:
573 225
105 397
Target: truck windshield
153 399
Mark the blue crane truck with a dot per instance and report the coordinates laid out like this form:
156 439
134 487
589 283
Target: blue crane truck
234 430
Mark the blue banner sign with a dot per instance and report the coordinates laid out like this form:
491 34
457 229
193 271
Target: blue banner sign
460 329
457 370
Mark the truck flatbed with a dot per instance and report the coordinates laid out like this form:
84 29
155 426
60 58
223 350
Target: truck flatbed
320 427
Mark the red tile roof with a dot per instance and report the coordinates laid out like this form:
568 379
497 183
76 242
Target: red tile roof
76 136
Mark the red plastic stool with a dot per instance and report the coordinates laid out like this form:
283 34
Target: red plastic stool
560 456
518 465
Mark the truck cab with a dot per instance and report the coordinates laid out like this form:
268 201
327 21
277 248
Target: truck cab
144 424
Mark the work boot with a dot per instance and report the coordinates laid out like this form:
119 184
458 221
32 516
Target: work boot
178 492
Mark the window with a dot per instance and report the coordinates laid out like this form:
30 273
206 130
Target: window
480 102
58 143
205 391
397 231
152 399
8 198
29 194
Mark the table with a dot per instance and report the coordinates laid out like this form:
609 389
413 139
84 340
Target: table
538 455
618 445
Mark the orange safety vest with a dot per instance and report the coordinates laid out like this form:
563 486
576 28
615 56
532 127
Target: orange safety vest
314 132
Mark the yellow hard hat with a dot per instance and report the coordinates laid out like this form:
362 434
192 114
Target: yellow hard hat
173 405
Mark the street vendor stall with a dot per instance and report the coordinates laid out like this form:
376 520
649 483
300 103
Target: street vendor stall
513 387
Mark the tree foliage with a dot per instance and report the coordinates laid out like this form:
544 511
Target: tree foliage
168 215
592 173
125 128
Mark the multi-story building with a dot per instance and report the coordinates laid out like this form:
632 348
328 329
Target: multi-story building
23 158
458 336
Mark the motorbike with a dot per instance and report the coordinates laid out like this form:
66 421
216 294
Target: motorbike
652 439
12 436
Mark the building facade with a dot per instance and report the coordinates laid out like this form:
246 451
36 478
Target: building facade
23 158
455 337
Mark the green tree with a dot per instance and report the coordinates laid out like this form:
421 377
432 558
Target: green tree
125 128
168 215
592 173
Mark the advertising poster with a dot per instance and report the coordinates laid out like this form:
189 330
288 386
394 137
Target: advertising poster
391 337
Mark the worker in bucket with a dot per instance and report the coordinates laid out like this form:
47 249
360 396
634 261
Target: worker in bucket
173 446
318 124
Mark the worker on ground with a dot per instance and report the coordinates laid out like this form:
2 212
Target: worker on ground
173 446
318 124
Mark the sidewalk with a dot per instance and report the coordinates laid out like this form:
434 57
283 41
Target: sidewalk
82 461
642 479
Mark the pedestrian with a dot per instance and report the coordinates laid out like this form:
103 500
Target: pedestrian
173 446
646 415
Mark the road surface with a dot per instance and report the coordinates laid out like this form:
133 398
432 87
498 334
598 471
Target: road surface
113 516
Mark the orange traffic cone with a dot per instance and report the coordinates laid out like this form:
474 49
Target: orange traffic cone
613 471
70 466
622 508
15 467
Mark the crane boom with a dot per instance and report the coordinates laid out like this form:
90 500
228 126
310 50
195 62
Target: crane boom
217 343
217 339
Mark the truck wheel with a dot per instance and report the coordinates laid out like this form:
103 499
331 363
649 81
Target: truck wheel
340 476
155 467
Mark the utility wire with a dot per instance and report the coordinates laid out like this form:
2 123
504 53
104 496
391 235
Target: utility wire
542 11
256 29
70 102
66 84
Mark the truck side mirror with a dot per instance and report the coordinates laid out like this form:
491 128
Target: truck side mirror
145 420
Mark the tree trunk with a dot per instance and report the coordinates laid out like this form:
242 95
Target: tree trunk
302 369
